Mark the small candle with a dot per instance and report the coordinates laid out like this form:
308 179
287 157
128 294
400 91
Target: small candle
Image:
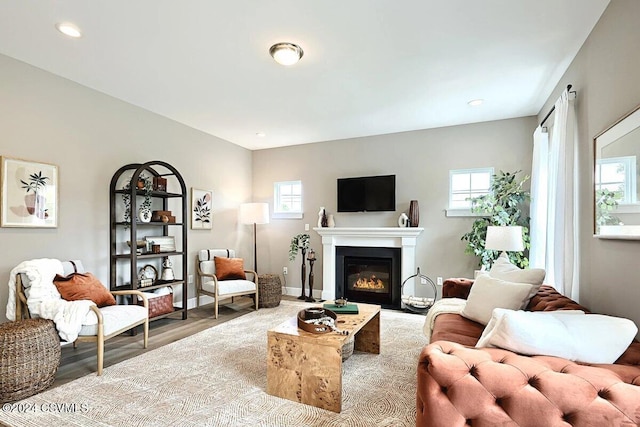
311 254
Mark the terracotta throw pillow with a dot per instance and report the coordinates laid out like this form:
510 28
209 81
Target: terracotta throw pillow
83 286
229 268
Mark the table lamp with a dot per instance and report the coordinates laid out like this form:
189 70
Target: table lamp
254 213
504 238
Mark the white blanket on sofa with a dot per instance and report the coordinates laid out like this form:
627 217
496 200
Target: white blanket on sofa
445 305
44 299
571 334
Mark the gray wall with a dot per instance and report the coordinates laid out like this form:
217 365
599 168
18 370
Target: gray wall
421 161
606 75
89 136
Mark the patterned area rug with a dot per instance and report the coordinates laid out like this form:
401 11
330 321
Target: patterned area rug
218 378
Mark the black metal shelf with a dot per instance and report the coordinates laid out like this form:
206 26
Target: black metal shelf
126 264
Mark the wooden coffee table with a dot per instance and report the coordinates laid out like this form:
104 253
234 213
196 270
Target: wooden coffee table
307 368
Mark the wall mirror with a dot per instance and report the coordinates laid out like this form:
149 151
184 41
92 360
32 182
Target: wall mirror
616 189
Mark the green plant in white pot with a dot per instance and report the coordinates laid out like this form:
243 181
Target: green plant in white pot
502 206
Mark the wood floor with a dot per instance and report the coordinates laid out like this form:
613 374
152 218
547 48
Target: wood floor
78 362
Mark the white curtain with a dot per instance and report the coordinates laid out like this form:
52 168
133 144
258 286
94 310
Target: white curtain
555 232
539 194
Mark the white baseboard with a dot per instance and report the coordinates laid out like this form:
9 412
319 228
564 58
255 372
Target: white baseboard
296 292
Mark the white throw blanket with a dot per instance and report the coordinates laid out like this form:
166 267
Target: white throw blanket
445 305
571 334
44 299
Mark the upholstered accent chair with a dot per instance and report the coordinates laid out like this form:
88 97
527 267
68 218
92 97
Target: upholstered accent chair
100 324
212 283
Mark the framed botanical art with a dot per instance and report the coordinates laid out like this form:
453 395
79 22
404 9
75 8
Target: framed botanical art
29 193
201 202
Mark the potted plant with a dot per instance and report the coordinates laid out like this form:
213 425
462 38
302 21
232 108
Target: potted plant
144 211
35 202
501 206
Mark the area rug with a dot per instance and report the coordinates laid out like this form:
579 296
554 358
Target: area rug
217 377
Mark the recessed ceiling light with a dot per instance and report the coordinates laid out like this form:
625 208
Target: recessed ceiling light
69 29
261 134
475 102
286 53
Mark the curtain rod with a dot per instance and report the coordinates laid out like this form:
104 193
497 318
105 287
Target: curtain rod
554 107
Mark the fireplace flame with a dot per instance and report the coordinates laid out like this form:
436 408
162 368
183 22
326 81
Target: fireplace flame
369 283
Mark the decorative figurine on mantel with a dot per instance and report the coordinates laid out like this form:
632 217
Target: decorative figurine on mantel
300 243
322 218
312 258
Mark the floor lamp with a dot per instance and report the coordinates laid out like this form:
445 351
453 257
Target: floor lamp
254 213
504 238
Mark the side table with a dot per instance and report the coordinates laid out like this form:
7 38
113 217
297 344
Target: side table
269 290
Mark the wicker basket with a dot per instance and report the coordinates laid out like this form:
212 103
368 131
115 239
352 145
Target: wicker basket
269 290
159 304
29 358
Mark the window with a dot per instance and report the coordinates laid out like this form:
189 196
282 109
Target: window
465 184
287 199
617 174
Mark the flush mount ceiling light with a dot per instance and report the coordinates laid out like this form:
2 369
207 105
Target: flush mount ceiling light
475 102
261 134
69 29
286 53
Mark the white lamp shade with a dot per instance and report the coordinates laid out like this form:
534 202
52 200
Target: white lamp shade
504 238
254 213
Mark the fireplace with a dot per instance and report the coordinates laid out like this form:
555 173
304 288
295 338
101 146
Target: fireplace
369 275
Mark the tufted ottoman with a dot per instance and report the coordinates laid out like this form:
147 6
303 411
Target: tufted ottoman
29 358
269 290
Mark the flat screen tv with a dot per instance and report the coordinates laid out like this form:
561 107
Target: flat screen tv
367 194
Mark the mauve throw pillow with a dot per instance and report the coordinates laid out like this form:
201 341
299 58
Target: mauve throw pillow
229 268
83 286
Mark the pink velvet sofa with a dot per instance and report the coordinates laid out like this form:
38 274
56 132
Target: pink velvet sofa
460 385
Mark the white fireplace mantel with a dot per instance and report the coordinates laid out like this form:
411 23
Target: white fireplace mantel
384 237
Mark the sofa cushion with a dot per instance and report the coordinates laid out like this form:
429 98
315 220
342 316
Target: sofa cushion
230 286
488 293
504 270
573 335
115 318
83 286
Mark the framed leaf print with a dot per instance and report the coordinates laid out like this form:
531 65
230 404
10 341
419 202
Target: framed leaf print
201 209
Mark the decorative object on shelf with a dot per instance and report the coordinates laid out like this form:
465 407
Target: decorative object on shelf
418 304
414 213
166 243
159 183
254 213
155 248
501 206
331 222
321 215
144 211
201 209
403 220
163 216
29 193
311 257
167 271
300 243
144 215
148 273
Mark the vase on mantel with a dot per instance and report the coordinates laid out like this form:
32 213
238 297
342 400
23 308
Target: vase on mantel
414 213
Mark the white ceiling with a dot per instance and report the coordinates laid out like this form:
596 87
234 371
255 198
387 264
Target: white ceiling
370 66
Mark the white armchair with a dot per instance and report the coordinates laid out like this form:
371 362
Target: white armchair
32 294
208 282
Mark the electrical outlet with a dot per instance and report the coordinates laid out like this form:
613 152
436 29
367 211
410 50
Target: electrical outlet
190 279
439 281
306 227
285 270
